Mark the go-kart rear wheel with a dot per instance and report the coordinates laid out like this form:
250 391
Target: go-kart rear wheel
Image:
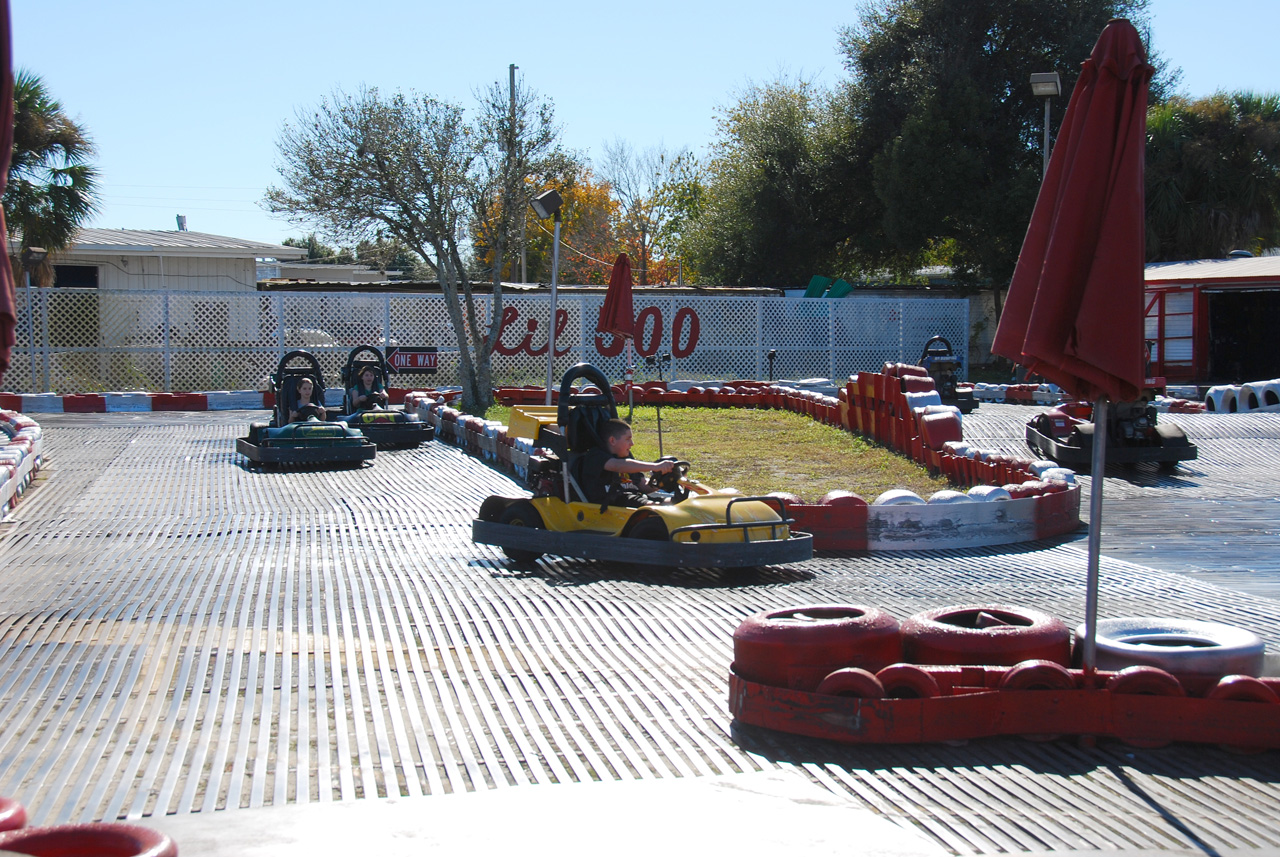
521 514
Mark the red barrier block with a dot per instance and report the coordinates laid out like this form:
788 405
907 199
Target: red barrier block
86 403
837 527
179 402
937 429
11 401
917 384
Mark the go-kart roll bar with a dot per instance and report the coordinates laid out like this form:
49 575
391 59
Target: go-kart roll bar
568 397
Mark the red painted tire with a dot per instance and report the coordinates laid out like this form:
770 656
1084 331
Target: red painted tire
851 682
796 647
994 635
102 838
907 681
12 814
1145 681
1037 675
1243 688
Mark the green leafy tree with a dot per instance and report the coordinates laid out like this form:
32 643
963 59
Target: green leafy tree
53 187
1213 176
755 217
943 150
318 251
413 169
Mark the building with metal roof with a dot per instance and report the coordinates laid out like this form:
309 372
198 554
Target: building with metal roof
1211 321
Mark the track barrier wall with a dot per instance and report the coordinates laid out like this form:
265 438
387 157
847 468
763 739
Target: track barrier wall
1011 500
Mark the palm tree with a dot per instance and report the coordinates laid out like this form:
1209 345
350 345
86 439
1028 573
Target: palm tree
52 186
1213 176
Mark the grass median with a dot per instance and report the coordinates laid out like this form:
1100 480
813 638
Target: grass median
760 451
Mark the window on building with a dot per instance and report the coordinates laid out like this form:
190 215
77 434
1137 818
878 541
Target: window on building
75 276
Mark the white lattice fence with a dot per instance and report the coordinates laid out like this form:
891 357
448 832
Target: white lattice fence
88 340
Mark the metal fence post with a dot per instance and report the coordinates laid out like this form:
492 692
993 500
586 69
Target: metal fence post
759 302
831 340
386 323
44 341
166 344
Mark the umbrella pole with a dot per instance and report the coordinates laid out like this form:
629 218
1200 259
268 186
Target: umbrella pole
631 384
1096 478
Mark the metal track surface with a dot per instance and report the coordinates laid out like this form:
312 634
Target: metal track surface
179 633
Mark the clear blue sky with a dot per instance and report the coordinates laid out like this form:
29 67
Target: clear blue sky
185 100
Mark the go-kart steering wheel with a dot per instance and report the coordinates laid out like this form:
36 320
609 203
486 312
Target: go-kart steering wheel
670 481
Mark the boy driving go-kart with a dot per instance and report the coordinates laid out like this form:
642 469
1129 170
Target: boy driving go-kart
601 470
580 506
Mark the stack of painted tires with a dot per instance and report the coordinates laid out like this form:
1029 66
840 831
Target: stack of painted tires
856 650
21 454
78 840
811 669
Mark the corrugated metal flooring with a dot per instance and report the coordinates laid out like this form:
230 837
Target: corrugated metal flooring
181 634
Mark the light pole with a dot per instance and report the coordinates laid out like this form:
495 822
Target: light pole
547 204
1047 85
32 257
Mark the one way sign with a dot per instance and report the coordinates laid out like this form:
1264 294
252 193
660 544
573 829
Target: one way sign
421 360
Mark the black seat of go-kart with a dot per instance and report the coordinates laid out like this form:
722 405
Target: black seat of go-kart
586 425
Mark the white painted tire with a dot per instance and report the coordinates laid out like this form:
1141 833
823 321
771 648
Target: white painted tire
922 400
1221 399
1059 474
957 448
1250 397
1269 395
1040 466
1178 646
948 496
899 497
988 493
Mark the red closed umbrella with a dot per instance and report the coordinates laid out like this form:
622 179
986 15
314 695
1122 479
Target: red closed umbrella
617 316
1074 312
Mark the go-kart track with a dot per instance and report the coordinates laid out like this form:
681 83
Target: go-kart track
225 653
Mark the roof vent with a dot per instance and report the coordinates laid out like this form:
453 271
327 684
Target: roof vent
182 223
1239 254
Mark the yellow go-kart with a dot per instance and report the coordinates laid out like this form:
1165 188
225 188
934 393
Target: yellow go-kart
692 526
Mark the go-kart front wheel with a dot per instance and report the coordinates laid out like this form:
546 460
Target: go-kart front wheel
521 514
652 528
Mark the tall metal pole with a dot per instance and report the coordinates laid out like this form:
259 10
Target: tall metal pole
1097 470
511 160
31 332
1046 140
555 276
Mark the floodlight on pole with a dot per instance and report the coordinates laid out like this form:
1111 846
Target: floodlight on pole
1046 85
547 204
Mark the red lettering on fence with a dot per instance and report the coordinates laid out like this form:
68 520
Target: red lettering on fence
685 333
510 315
648 347
695 328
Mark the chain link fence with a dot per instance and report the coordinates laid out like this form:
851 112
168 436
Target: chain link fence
90 341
